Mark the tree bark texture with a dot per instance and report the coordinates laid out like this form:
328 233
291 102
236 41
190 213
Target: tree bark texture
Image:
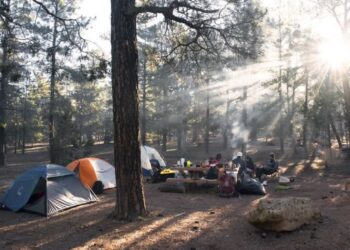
130 201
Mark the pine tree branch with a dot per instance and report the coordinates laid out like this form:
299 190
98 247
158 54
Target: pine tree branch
169 9
51 13
64 23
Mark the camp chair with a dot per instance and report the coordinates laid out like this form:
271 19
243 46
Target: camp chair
275 174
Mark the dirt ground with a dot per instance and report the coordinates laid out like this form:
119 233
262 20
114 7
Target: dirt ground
194 220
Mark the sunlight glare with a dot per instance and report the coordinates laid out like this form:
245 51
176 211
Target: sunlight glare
335 54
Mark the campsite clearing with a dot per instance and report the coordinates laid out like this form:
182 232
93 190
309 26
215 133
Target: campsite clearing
197 220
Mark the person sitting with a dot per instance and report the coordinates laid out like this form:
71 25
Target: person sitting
156 170
239 163
218 158
213 173
271 168
250 166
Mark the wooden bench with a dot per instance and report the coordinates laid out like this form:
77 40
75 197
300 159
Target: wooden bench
194 181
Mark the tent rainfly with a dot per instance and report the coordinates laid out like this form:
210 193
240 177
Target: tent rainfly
92 169
47 190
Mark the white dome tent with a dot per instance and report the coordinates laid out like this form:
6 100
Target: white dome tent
148 153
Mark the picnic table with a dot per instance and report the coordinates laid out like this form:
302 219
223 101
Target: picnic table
192 181
194 173
196 176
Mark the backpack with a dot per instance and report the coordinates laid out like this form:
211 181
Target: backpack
212 173
227 186
98 187
247 185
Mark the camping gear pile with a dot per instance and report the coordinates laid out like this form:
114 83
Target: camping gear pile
248 185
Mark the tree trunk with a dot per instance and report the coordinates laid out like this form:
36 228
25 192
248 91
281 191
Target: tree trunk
281 123
291 120
227 125
179 138
329 135
195 134
16 134
207 121
184 134
335 131
346 88
165 120
306 113
24 133
130 200
164 139
52 145
244 119
5 70
143 118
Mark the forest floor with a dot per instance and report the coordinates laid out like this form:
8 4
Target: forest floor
194 220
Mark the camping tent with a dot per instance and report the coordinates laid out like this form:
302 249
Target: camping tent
46 190
148 153
91 170
154 154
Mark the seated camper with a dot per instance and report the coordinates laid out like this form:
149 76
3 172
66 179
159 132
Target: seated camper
250 166
156 170
271 168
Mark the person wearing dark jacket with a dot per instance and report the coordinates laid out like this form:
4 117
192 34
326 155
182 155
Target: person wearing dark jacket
239 162
250 166
271 168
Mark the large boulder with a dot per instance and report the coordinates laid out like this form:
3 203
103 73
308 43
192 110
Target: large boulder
282 214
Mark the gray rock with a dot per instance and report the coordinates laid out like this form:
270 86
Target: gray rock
283 214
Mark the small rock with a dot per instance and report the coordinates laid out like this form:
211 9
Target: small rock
195 228
263 235
160 215
196 222
312 236
324 197
212 212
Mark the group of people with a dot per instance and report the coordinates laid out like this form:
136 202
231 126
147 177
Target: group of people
246 165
